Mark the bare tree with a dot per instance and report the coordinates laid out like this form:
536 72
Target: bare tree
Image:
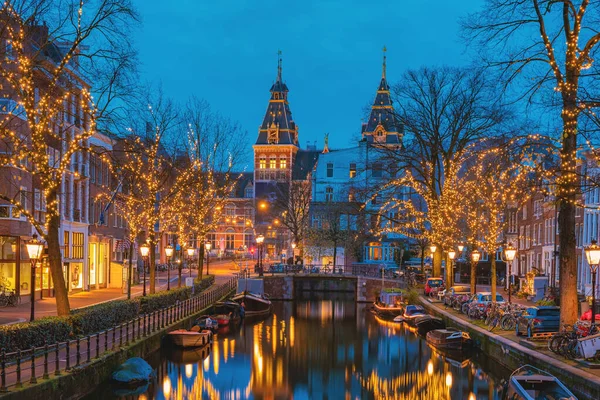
541 47
293 204
46 73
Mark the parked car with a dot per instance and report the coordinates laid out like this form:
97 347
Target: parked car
456 291
432 283
482 299
537 320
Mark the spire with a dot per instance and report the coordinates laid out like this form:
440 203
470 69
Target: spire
326 146
279 65
384 57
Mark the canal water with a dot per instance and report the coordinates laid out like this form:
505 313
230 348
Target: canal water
318 349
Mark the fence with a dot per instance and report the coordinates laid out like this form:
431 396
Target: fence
41 362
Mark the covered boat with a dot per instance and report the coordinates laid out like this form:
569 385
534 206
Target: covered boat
192 338
254 305
389 303
225 312
206 322
530 383
427 323
448 338
412 312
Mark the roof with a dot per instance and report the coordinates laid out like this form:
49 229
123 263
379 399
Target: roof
304 163
244 179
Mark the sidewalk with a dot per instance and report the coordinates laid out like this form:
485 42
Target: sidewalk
47 306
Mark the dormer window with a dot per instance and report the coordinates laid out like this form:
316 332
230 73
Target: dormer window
276 96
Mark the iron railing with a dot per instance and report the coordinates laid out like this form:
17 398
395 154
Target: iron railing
29 365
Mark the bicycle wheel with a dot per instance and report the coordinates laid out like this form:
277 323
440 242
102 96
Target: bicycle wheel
465 308
554 342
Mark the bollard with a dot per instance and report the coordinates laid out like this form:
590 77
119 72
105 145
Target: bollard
56 360
68 349
78 355
126 333
3 372
45 376
33 379
139 321
106 340
98 345
89 351
19 384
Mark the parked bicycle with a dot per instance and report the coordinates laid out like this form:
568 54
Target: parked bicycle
9 298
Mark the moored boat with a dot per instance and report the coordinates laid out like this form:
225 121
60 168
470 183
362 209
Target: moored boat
411 313
206 322
427 323
448 338
389 303
225 313
193 338
531 383
254 305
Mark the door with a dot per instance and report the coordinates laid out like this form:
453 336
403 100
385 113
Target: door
93 261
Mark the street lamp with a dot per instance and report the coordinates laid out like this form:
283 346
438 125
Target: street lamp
145 251
207 246
592 252
451 255
460 248
259 240
191 253
475 256
509 253
433 248
34 249
169 253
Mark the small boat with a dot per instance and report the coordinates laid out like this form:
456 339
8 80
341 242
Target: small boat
412 312
254 305
206 322
427 323
399 318
193 338
389 303
531 383
448 338
225 312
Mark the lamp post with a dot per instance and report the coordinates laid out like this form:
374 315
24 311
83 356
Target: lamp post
259 241
191 253
34 249
169 253
475 256
293 254
592 253
207 246
451 256
509 253
145 251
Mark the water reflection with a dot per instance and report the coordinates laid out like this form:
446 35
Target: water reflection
319 349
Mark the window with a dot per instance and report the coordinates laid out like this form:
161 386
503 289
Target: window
351 196
282 162
262 162
329 194
330 170
66 246
229 240
92 168
525 211
78 245
377 170
352 170
230 210
273 162
249 193
23 198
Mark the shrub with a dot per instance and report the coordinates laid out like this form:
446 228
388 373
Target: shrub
27 334
160 300
544 302
103 316
411 296
201 285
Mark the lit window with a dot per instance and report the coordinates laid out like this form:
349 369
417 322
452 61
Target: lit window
273 162
352 170
262 163
283 163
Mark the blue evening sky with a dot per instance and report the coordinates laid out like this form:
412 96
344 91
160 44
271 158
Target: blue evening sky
225 51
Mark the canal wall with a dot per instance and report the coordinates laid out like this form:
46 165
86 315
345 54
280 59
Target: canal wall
85 378
512 355
367 289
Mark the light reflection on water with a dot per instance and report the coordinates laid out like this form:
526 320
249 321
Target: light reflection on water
318 349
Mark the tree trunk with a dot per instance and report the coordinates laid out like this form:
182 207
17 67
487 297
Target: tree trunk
152 264
130 270
567 185
334 255
448 272
423 260
473 276
56 268
179 265
493 275
437 262
200 261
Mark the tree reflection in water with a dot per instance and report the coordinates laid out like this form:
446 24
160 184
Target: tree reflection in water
329 348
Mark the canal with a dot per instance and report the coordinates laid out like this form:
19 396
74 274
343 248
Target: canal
329 348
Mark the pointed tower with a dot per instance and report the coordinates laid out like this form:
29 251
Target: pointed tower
382 126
